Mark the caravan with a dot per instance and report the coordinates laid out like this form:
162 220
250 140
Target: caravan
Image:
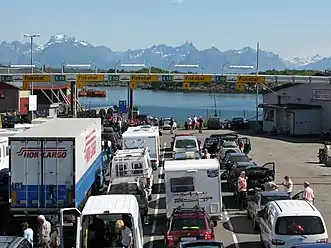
144 136
96 223
192 183
133 163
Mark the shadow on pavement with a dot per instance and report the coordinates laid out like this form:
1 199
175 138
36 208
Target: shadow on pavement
161 203
161 227
230 202
246 245
158 188
240 224
156 243
304 139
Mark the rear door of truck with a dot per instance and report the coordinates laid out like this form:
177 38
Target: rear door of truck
42 172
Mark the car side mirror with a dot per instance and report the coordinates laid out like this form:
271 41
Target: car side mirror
160 133
260 213
250 159
214 223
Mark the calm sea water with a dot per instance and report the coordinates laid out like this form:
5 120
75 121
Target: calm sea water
180 105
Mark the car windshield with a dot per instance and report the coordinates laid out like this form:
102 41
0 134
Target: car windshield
239 169
299 225
269 198
186 155
124 188
193 223
239 159
229 144
185 143
238 119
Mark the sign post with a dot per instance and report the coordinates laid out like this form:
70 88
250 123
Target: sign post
133 85
113 78
186 85
60 78
251 79
166 78
220 79
6 78
122 106
198 78
144 78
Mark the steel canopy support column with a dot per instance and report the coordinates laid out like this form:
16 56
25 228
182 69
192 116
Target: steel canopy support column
73 98
131 103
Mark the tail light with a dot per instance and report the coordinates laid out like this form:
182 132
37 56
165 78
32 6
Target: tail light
169 240
208 236
277 242
325 241
170 237
148 181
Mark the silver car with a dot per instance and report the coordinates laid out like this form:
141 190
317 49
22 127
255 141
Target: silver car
259 199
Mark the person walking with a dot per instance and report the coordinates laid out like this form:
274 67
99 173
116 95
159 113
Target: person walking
288 185
125 233
242 190
270 185
27 232
171 123
44 232
308 193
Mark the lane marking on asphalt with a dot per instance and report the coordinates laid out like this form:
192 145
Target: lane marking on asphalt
234 237
156 210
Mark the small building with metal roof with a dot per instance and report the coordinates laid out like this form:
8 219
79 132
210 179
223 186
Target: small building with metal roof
297 109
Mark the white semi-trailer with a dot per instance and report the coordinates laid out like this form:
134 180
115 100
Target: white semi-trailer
55 165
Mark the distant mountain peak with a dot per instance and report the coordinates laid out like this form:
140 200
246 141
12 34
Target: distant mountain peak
63 47
303 61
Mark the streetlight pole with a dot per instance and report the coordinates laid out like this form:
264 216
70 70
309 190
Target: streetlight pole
31 36
225 64
170 65
116 65
95 66
256 85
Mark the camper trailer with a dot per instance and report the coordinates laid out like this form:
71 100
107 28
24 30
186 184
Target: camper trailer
193 183
141 137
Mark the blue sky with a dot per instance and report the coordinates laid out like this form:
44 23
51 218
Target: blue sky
288 27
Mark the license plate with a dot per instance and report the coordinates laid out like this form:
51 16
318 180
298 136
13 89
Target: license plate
188 239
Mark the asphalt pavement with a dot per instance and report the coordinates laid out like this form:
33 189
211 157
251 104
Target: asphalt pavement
295 158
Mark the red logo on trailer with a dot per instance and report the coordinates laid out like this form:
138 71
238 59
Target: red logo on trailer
48 152
90 145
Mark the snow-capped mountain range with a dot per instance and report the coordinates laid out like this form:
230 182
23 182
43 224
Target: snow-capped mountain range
62 48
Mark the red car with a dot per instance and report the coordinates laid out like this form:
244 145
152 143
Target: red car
187 225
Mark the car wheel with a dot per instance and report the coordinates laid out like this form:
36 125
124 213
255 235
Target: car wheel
256 226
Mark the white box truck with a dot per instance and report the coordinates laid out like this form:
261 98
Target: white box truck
55 165
141 137
192 183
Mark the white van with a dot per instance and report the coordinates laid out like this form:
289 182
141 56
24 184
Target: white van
289 223
103 211
191 183
144 136
186 143
133 163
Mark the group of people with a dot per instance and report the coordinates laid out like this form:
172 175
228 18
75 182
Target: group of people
194 122
44 232
270 185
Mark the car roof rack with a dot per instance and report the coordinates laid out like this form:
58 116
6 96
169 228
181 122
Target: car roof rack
196 209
